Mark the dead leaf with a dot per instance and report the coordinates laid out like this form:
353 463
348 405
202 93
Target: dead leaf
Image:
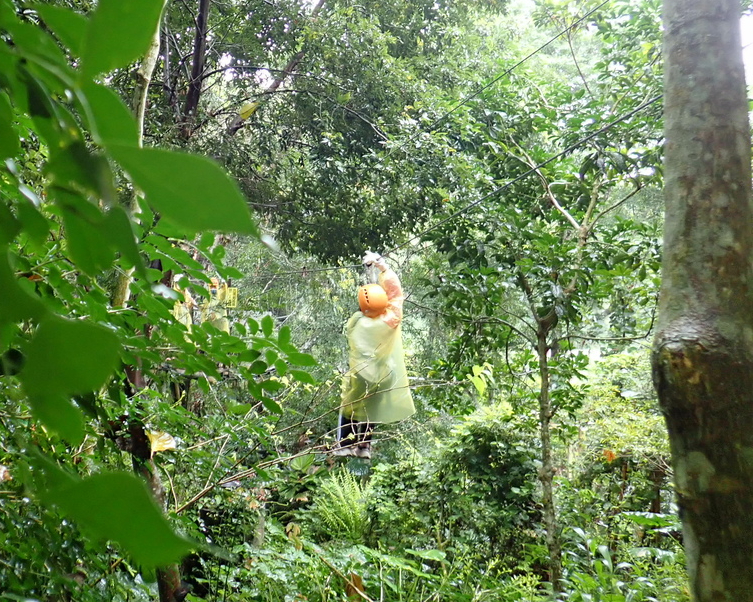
160 441
354 586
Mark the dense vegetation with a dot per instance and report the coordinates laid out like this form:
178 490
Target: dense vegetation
158 438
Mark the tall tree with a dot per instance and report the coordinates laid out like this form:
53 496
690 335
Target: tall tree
703 351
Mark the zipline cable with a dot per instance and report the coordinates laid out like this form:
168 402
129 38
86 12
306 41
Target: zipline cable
444 116
496 191
569 149
506 72
489 195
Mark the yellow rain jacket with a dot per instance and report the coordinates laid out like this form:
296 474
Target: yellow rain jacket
375 389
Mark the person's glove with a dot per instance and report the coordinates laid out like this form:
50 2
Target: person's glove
374 259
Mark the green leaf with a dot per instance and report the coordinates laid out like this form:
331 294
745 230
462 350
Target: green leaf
118 34
56 411
240 409
34 224
258 367
88 247
283 337
39 98
78 168
267 325
271 405
118 507
301 359
119 230
64 358
281 367
302 463
16 304
9 225
67 25
33 41
111 121
437 555
303 376
9 145
190 191
273 386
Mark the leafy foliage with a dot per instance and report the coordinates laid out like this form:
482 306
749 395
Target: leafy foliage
339 508
70 342
365 142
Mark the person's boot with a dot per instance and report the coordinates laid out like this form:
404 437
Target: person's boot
363 450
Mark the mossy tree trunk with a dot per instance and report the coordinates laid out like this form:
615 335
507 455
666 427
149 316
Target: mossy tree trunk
703 351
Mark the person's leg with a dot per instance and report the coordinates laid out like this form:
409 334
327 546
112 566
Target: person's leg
365 430
347 436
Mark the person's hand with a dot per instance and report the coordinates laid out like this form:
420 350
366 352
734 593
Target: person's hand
374 259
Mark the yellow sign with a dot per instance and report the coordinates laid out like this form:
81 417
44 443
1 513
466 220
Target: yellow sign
231 297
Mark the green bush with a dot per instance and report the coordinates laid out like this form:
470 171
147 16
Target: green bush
339 509
471 496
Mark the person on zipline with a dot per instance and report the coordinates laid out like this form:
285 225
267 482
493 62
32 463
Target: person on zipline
375 388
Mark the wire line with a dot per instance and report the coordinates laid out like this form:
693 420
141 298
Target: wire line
489 195
496 191
488 85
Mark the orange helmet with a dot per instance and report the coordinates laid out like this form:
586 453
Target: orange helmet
372 299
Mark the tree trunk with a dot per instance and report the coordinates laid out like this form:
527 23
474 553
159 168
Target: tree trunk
238 120
703 351
197 66
122 287
137 444
168 577
546 473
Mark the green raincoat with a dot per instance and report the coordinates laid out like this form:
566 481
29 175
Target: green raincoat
375 389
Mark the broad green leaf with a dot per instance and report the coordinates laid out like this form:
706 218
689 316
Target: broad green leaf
69 357
240 409
16 304
66 357
273 386
9 225
267 325
48 475
119 230
258 367
86 243
248 355
281 367
33 41
74 203
437 555
174 252
7 14
303 376
56 411
77 167
118 34
271 405
67 25
189 191
302 463
111 121
118 507
9 145
301 359
283 337
34 224
39 98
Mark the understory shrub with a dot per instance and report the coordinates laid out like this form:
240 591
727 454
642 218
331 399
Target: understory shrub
472 496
